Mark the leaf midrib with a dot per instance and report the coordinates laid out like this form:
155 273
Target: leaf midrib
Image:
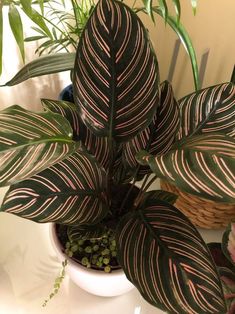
54 140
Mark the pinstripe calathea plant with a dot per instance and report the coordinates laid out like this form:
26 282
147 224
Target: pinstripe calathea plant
67 164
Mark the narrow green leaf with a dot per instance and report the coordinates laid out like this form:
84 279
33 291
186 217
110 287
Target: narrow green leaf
71 192
148 7
186 41
17 28
44 65
164 256
35 16
194 6
33 38
1 37
177 8
31 142
164 9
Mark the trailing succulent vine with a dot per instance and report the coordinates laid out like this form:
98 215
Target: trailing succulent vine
75 164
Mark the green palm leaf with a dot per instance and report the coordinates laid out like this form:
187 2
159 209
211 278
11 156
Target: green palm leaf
54 63
17 28
97 146
181 32
70 192
164 256
209 110
116 73
31 142
202 165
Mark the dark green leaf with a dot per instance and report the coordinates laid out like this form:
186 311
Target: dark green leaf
164 256
17 28
76 233
228 243
44 65
208 110
160 135
70 192
202 165
116 73
31 142
161 195
97 146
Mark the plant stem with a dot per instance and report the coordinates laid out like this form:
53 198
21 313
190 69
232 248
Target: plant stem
144 188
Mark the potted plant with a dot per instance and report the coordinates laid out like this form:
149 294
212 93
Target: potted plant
58 27
67 165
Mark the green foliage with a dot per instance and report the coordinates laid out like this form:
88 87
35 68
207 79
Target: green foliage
73 161
59 28
57 283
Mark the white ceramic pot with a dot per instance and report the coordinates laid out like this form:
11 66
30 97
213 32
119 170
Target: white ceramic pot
93 281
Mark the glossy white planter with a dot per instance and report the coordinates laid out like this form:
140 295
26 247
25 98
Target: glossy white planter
93 281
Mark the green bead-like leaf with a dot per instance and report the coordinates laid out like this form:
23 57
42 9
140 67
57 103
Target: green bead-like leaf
70 192
202 165
116 81
164 256
31 142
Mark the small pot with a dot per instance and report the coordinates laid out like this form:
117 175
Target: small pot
96 282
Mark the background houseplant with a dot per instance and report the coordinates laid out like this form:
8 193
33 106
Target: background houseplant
59 26
120 111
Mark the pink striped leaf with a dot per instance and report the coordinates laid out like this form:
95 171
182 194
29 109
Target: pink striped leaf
97 146
31 142
164 256
70 192
90 232
116 81
228 243
208 110
202 165
160 135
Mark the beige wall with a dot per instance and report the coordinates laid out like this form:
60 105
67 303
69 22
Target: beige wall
212 28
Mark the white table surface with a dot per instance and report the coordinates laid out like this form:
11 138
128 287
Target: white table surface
28 267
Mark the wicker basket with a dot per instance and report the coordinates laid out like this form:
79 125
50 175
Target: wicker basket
202 213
